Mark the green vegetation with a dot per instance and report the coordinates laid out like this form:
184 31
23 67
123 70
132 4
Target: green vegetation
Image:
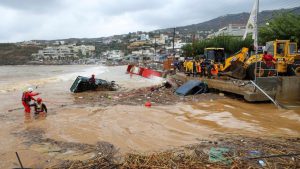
229 43
285 26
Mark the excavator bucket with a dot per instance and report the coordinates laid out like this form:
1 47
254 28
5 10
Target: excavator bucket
235 70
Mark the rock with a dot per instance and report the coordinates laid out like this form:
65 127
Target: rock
221 94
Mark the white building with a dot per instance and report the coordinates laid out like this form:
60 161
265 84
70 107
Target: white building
86 50
230 30
161 40
142 52
113 54
56 53
144 37
64 52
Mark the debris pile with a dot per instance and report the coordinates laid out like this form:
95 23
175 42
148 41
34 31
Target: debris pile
226 152
157 95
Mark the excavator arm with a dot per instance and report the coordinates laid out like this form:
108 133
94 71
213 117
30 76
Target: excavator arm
240 56
234 65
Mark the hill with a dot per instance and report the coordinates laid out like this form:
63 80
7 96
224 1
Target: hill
222 21
12 54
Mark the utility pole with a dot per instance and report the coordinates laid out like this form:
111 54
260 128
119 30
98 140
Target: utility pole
155 45
174 39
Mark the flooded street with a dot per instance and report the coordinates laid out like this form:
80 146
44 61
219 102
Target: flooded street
44 141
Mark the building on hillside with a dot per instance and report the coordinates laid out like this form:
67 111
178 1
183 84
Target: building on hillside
230 30
55 53
177 47
113 54
29 43
148 52
86 50
64 52
161 40
144 37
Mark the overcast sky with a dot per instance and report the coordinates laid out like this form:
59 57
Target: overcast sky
56 19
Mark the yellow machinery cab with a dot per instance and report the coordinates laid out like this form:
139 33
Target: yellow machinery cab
216 56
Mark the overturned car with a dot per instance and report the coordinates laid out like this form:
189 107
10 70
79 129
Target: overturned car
82 84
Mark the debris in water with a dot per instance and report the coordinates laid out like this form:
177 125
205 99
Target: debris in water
262 163
219 154
148 104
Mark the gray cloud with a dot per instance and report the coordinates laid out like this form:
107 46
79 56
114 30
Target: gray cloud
118 7
36 6
53 19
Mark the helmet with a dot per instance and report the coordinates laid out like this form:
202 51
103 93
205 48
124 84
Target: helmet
29 89
39 100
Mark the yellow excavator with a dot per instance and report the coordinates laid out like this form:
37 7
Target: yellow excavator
241 66
232 66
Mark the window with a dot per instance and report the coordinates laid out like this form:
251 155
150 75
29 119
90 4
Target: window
270 48
293 48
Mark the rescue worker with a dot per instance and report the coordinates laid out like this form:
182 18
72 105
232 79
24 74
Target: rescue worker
194 68
39 106
269 59
176 64
189 67
198 67
202 65
26 99
92 81
185 65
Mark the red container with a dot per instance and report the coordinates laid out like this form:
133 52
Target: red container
148 73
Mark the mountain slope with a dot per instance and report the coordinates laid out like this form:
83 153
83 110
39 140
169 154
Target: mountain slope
222 21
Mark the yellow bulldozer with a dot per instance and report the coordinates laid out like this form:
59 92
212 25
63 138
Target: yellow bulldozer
241 66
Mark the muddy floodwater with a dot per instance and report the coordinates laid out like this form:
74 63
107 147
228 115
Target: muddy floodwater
70 131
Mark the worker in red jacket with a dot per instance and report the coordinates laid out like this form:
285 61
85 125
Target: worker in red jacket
26 98
268 59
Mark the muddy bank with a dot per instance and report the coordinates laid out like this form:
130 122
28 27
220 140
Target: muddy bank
238 152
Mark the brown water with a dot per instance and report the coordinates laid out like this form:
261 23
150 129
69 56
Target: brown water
130 128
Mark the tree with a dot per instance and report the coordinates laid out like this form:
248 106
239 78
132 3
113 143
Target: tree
229 43
285 26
